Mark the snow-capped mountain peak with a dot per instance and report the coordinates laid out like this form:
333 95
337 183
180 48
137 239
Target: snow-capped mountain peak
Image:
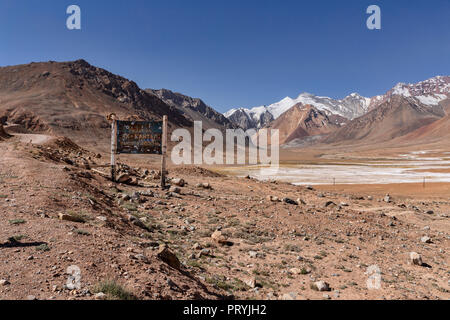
429 92
350 107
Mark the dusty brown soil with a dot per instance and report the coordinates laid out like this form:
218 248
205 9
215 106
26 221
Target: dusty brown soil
334 235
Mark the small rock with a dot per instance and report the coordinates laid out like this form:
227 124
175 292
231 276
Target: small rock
387 198
4 282
204 185
204 252
329 203
168 257
218 237
123 178
426 239
250 282
321 286
31 297
175 189
295 271
178 182
290 201
289 296
272 198
100 296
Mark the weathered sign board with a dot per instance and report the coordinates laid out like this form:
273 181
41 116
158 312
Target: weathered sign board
139 137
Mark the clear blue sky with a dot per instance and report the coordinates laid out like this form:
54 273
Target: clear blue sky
238 52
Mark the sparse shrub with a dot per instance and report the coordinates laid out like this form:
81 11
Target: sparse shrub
82 232
17 238
114 290
43 247
17 221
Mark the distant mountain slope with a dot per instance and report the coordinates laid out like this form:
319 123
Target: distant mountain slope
395 117
437 131
73 99
194 109
255 118
302 121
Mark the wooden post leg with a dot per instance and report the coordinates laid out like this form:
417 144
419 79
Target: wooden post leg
163 152
113 149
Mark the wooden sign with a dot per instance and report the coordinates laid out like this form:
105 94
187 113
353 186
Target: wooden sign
139 137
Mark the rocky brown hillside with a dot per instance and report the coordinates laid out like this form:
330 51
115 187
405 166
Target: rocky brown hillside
74 98
209 236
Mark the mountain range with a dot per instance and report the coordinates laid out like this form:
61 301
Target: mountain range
429 92
74 98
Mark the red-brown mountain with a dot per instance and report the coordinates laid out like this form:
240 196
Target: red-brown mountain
395 117
302 121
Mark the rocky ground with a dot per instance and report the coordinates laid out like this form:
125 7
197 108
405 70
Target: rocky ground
208 237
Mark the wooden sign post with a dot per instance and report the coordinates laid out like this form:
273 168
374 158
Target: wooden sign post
138 137
163 152
113 147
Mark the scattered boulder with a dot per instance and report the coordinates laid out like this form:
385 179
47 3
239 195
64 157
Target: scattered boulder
426 239
219 238
321 286
387 198
167 256
175 189
289 296
137 222
251 282
100 296
123 178
67 217
415 258
297 271
178 182
329 204
290 201
273 199
4 282
204 185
